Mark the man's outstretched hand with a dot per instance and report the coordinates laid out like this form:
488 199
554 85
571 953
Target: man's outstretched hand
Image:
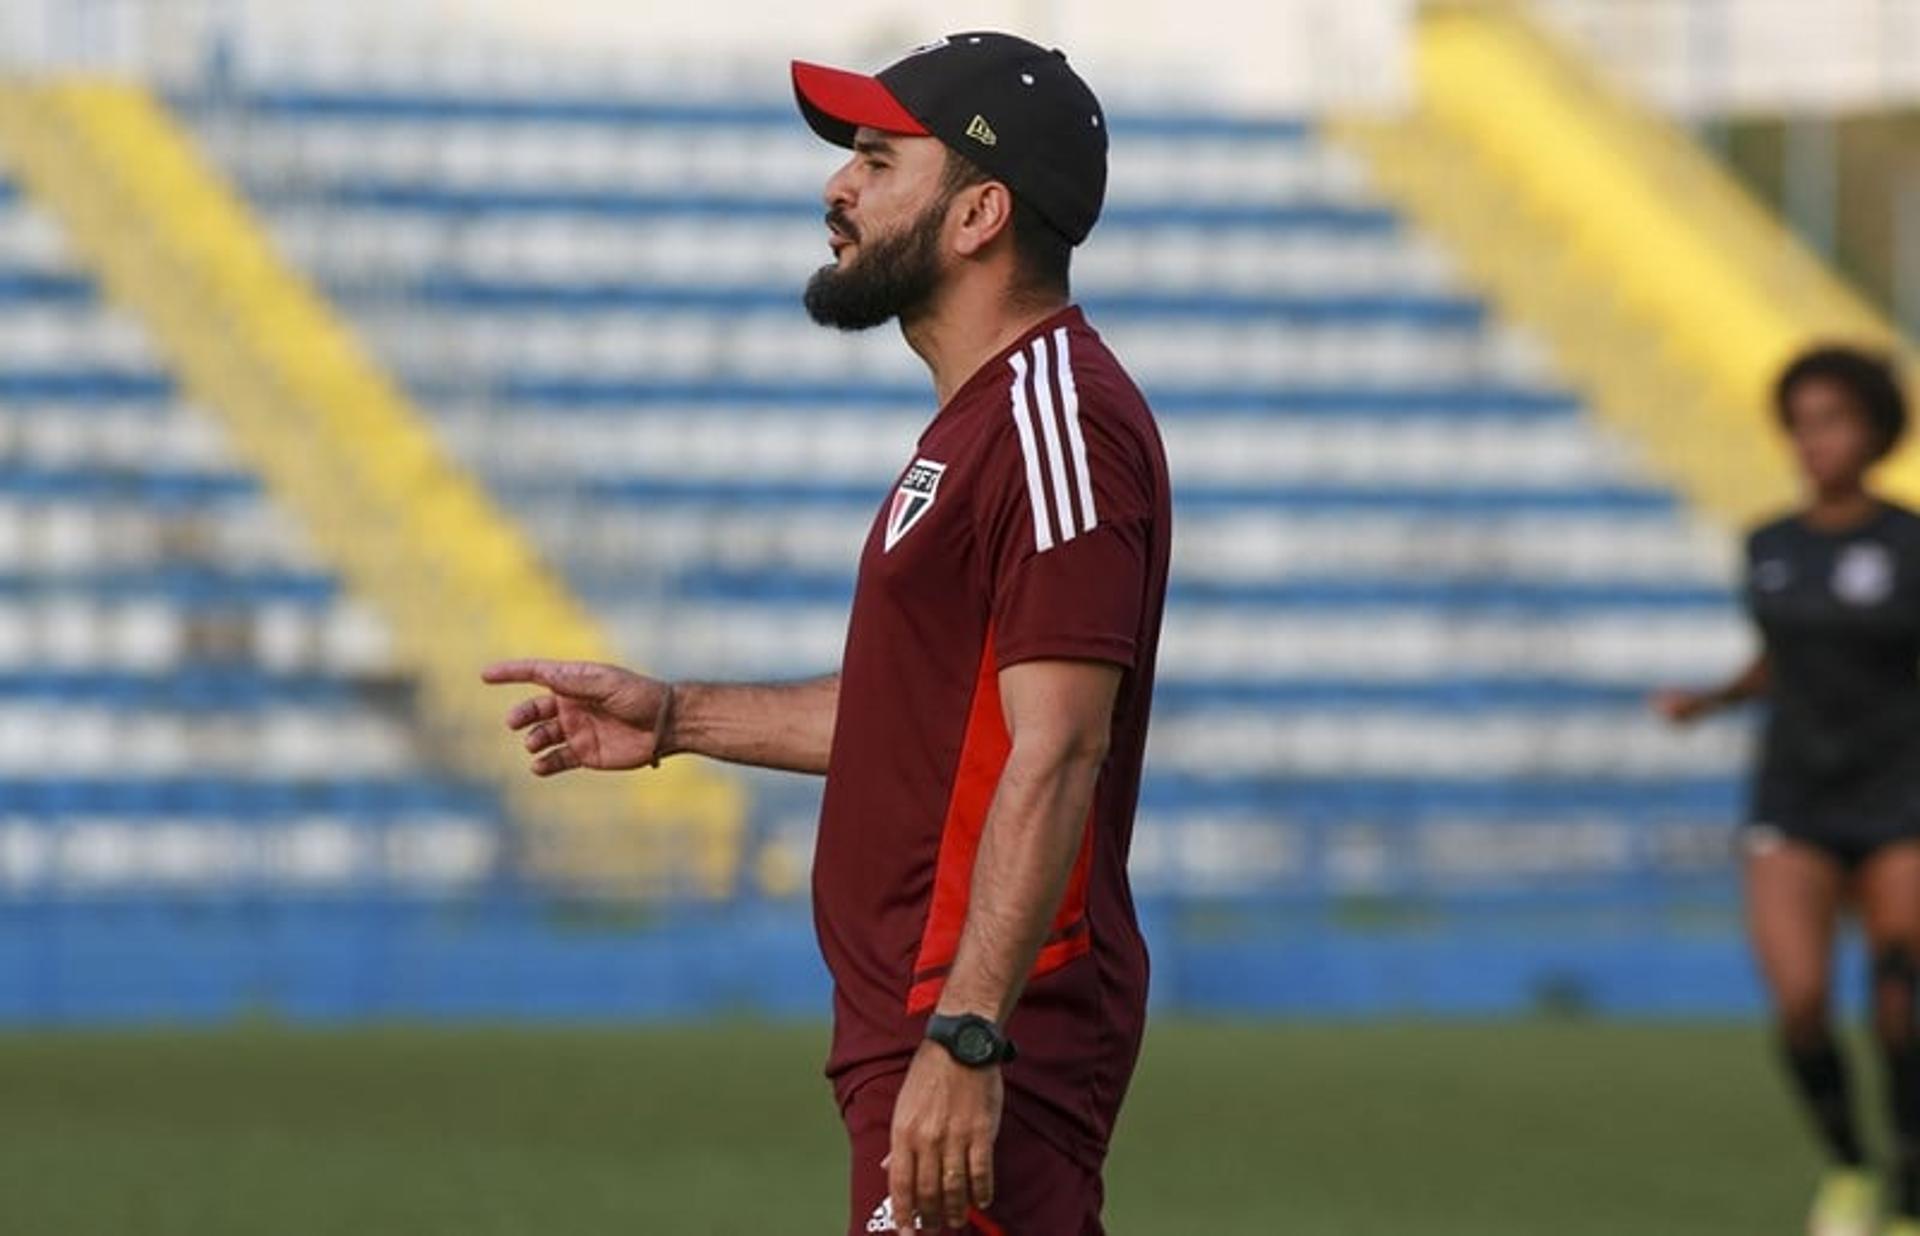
595 716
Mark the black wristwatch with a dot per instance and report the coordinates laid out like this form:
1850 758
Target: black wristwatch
971 1039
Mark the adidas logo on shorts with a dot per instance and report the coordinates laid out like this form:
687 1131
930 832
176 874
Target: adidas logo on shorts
882 1220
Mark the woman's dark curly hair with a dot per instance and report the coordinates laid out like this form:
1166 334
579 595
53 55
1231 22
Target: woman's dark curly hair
1868 377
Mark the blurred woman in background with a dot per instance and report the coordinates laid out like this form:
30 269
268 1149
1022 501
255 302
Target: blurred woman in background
1834 589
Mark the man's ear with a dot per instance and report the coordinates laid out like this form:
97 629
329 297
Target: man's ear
985 211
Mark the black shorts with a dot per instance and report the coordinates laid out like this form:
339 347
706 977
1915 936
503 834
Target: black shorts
1850 818
1850 852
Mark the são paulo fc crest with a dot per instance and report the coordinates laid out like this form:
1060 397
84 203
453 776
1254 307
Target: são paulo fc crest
913 499
1864 574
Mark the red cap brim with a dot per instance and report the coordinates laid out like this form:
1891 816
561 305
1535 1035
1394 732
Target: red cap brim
836 102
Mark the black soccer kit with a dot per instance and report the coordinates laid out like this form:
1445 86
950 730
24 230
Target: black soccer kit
1839 612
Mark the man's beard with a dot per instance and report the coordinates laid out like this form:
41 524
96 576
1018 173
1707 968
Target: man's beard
894 276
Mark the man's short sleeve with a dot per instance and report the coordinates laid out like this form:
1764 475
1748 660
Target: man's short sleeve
1064 522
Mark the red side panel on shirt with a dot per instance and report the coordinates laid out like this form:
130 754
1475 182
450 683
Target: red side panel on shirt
983 756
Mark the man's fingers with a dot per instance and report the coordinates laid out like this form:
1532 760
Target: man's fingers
554 760
926 1183
581 679
526 712
900 1187
546 740
980 1172
537 670
956 1185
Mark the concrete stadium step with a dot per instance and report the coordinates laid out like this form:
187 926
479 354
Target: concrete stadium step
30 240
1237 643
110 740
465 347
564 393
1458 692
172 436
1465 597
584 300
569 391
68 331
649 146
716 444
46 626
456 203
75 536
1624 742
197 834
1254 547
91 518
1461 870
163 486
1329 498
1457 845
313 80
352 247
1391 799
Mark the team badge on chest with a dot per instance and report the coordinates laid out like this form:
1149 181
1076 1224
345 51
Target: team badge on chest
913 499
1864 574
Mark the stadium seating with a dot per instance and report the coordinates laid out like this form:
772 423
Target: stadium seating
187 702
1418 593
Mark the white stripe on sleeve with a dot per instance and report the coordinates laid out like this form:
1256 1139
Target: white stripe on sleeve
1050 433
1023 423
1070 400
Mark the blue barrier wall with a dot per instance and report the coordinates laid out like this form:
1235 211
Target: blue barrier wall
71 962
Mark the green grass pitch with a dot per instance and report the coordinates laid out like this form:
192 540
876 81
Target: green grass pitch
1524 1130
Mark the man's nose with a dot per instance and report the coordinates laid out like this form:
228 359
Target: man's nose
839 191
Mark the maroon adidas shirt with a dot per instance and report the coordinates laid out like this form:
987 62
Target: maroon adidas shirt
1033 523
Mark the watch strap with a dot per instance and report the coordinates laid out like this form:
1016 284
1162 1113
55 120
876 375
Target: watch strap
949 1030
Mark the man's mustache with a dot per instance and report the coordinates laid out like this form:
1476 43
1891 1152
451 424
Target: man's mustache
838 222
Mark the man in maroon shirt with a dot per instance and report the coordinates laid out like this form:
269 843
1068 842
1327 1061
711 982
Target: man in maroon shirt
983 739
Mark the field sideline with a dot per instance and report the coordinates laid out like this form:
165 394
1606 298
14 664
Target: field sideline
1526 1130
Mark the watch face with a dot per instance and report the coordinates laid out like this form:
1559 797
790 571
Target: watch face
974 1044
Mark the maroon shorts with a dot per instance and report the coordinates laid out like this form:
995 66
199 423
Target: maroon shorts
1038 1191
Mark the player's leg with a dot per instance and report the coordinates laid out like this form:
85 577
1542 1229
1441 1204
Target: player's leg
1890 911
869 1120
1794 896
1038 1191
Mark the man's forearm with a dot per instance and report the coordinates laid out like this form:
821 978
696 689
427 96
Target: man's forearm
1750 684
1027 851
787 726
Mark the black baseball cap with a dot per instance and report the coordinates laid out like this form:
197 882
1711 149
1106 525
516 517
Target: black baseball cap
1016 109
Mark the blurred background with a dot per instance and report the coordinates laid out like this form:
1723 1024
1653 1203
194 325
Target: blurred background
346 347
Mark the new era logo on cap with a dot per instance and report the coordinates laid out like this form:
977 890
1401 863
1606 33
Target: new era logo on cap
1046 140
